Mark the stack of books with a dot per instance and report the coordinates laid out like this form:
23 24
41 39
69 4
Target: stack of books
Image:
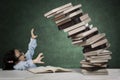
72 20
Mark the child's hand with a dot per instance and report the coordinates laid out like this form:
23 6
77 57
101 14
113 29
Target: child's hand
32 34
39 58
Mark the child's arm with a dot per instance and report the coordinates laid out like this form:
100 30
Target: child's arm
32 45
23 65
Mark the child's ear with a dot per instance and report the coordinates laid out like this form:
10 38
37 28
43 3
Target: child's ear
11 61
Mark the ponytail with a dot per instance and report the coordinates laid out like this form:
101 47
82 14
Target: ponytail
9 60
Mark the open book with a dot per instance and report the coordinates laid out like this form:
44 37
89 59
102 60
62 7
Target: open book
48 69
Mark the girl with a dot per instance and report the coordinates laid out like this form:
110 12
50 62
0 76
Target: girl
16 59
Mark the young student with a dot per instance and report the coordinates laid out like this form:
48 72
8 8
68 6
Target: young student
16 59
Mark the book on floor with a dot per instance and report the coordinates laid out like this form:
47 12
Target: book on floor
88 65
96 72
48 69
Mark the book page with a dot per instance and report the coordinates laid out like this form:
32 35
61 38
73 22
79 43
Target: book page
39 70
48 69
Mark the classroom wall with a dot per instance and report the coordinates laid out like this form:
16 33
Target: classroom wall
18 17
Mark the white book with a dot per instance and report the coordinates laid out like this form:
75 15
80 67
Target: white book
77 25
105 52
69 16
75 13
53 14
89 32
63 19
84 62
103 41
59 17
90 26
63 22
84 34
76 42
95 38
73 8
98 60
74 26
48 69
83 17
87 20
99 70
98 52
76 30
57 9
103 57
59 13
95 72
76 39
64 9
88 65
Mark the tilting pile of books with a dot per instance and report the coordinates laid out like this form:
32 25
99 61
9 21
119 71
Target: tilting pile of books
72 20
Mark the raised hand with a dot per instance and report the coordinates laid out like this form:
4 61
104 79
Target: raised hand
39 58
32 34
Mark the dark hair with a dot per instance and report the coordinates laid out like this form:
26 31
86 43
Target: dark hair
9 60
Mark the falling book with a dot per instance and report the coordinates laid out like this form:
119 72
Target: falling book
48 69
85 16
74 31
98 57
69 16
56 9
67 12
87 32
77 25
100 52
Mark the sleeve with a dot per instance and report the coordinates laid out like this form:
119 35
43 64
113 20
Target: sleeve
31 47
23 65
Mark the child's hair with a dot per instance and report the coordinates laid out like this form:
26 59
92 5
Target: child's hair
9 60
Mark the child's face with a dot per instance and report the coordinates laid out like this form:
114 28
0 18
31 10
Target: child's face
20 55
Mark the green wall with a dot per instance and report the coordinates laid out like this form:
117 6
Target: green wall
17 17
